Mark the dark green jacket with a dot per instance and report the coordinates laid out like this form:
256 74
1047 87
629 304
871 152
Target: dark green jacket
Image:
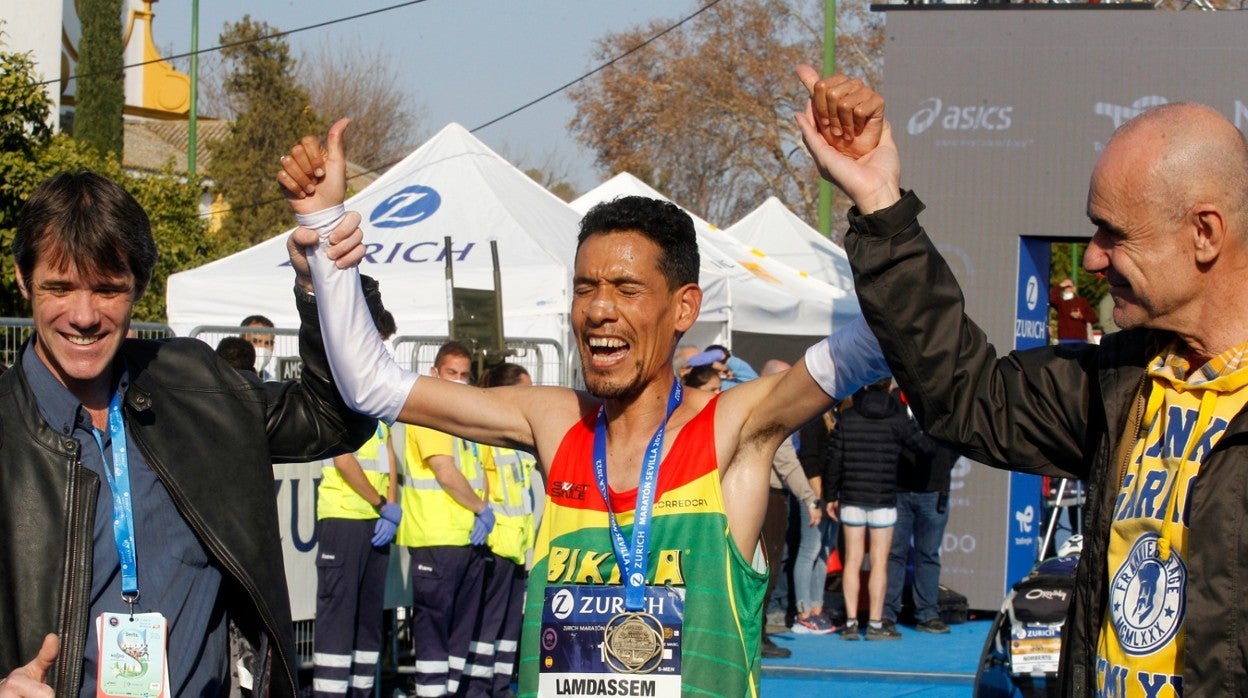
1061 412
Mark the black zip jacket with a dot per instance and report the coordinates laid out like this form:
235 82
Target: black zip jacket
211 436
866 449
1062 412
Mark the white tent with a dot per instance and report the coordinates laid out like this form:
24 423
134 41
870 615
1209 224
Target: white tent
779 232
453 186
745 291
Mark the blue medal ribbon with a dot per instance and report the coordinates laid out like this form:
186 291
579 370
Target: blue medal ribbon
634 560
123 510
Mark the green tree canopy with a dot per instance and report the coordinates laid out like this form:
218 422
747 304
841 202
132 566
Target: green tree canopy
272 113
31 154
101 95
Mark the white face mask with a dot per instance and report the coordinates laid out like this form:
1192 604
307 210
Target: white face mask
1067 294
263 356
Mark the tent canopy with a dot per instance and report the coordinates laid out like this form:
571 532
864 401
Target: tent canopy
780 233
454 186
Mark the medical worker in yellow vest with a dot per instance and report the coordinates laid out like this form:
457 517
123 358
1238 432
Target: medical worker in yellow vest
445 525
358 512
509 476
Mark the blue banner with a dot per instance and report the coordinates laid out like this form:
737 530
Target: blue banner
1031 317
1031 329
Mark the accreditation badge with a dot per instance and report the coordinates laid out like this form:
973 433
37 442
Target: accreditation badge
133 658
592 646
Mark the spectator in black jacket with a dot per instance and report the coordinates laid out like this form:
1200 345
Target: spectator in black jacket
861 490
922 512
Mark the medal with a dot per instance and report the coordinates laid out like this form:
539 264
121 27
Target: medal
633 643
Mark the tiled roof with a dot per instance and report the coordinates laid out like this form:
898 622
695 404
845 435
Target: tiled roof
150 143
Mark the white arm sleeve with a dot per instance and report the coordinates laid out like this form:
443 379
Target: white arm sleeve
847 359
369 379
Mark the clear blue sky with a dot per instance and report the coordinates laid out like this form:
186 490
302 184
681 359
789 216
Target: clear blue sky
467 61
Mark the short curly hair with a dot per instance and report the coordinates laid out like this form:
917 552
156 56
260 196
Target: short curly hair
662 221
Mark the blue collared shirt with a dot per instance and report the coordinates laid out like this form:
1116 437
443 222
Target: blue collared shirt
176 576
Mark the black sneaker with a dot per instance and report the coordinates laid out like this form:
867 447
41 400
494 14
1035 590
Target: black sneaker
935 626
886 631
773 651
850 631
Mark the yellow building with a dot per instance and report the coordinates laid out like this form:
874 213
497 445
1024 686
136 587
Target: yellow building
154 89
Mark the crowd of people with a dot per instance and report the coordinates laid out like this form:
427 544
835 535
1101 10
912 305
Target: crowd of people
853 461
140 538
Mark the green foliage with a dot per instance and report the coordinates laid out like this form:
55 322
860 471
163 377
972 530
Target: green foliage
30 154
1066 262
273 112
181 234
24 106
101 94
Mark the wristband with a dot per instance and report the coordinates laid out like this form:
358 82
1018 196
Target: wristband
324 220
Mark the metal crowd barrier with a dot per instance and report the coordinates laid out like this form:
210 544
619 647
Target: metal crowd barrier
15 331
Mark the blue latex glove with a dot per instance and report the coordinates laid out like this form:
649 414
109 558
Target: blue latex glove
387 524
482 526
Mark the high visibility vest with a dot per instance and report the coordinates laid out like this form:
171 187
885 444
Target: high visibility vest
335 499
511 498
430 515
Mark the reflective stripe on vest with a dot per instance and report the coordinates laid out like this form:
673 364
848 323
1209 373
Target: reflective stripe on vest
430 515
373 456
338 500
472 473
511 499
515 498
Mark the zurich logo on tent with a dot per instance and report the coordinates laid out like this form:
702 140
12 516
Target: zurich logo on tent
406 207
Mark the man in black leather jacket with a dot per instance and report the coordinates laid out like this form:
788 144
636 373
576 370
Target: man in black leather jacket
86 415
1154 417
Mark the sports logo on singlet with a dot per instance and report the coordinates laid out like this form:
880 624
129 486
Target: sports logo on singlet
1147 598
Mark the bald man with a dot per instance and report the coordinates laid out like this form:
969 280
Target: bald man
1152 417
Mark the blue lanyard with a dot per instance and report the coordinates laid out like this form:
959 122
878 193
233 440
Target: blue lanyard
123 512
634 564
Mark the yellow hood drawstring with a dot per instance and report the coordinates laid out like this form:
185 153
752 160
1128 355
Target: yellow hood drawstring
1171 373
1208 399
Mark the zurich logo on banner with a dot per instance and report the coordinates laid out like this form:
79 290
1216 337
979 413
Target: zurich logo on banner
409 206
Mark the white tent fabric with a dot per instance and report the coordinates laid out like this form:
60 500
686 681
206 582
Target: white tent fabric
759 294
779 232
453 186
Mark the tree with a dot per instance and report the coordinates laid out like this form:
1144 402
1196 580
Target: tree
705 114
271 113
31 154
24 108
551 171
101 95
554 183
360 83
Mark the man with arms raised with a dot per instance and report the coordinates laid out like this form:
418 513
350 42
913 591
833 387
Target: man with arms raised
684 533
1153 417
